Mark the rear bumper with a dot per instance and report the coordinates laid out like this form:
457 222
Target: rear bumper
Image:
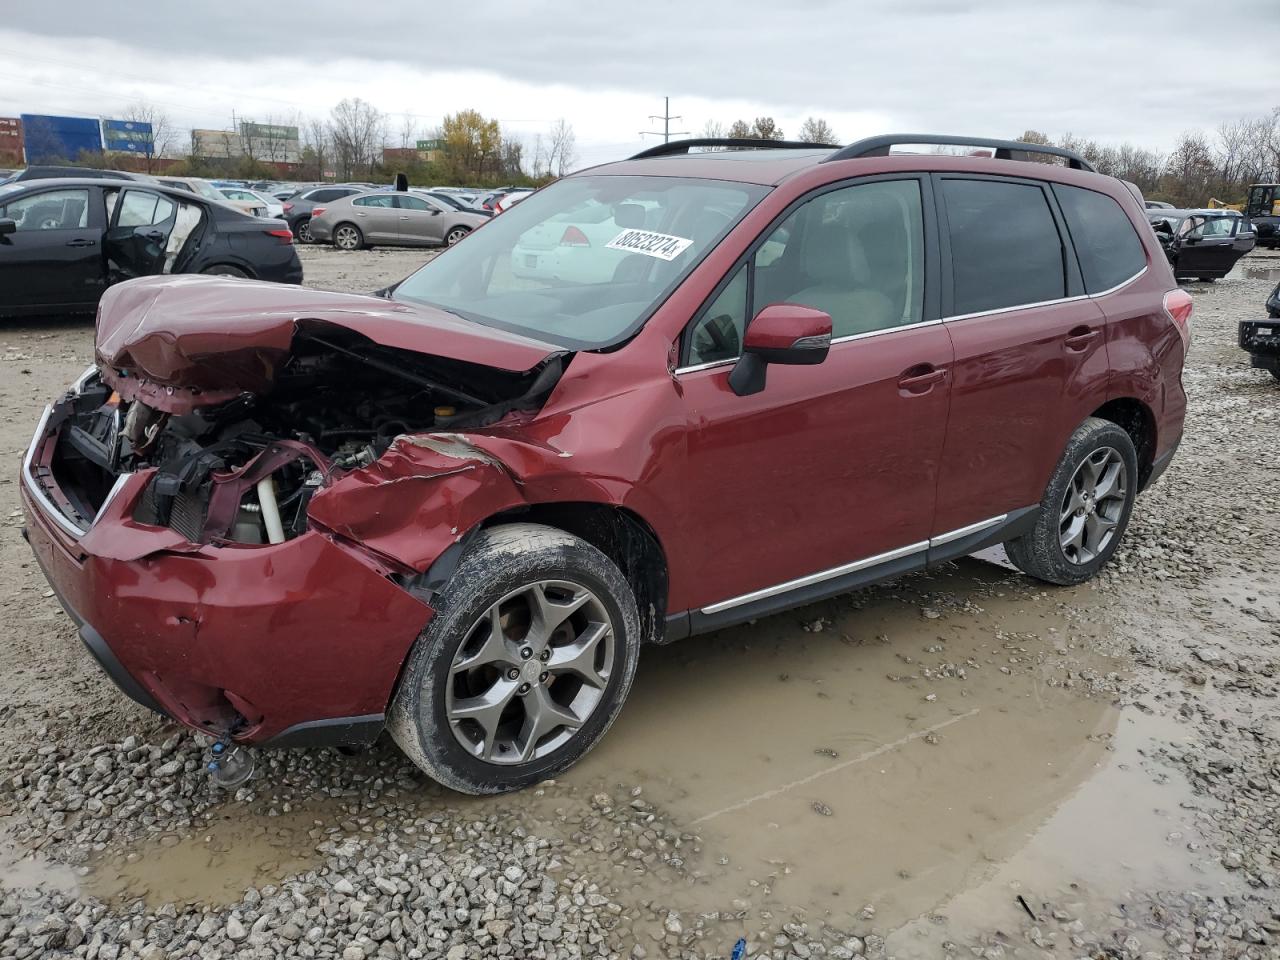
287 644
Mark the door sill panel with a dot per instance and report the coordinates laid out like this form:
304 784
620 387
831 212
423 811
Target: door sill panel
853 576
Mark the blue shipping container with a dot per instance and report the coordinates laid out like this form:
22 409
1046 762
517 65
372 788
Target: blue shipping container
128 135
59 138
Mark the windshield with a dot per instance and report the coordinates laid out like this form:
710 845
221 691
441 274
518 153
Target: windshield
583 262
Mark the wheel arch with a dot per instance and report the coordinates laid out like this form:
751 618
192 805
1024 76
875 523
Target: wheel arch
1138 420
623 536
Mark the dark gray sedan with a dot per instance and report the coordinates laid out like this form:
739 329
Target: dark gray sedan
388 218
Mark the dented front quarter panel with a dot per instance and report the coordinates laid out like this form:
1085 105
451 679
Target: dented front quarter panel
429 490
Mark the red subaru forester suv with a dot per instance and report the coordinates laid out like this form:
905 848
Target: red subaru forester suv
656 398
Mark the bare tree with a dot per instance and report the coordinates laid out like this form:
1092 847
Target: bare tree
817 130
563 151
740 129
358 130
317 148
161 129
408 133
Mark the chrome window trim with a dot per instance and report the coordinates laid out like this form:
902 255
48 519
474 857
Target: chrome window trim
1119 286
37 492
962 532
1014 309
818 577
875 333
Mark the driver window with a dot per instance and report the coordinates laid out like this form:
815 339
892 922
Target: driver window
718 333
52 210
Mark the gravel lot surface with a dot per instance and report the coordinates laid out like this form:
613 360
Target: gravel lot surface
962 763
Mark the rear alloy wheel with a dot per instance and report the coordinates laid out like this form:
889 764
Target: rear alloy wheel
524 666
347 236
454 235
224 270
304 231
1085 508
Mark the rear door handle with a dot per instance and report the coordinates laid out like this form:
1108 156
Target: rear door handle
920 379
82 243
1080 337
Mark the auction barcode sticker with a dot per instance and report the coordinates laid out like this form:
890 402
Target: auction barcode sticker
660 245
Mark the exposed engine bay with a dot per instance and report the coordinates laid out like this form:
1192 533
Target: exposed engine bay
244 470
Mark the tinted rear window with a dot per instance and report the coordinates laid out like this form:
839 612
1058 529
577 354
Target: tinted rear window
1106 244
1005 248
327 196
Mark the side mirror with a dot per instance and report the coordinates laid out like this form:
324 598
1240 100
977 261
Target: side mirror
780 333
8 226
435 212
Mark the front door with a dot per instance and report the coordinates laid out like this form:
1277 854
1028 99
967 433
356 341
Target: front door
833 468
421 221
138 238
1206 246
54 258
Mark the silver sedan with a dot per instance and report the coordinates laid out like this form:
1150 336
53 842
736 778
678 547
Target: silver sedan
388 218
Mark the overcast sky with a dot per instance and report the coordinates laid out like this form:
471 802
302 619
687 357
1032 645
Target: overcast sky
1107 69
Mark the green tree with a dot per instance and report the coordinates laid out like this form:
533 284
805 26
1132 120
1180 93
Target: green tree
472 143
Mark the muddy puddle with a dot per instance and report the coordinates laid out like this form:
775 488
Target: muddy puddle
214 866
1244 271
932 748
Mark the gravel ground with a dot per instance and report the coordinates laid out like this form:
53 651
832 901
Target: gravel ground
961 763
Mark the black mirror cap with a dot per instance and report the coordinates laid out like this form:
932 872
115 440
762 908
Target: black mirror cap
748 374
8 226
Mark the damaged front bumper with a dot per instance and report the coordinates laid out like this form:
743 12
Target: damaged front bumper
291 643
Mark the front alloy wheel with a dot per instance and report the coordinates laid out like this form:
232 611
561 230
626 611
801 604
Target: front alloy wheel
454 235
524 665
531 672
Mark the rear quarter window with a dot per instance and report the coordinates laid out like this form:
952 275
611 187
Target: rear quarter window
1107 246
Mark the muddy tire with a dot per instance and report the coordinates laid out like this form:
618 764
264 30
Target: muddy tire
224 270
524 666
347 236
1085 509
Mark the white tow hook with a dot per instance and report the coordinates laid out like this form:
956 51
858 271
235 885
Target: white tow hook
231 764
270 510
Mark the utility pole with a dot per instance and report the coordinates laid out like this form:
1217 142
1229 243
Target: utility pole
665 133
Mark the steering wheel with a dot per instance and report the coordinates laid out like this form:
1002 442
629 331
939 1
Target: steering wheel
49 223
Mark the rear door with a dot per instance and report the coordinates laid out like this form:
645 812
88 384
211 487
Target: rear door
421 221
1030 346
54 259
141 222
377 218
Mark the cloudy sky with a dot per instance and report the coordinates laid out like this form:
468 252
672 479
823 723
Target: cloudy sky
1107 69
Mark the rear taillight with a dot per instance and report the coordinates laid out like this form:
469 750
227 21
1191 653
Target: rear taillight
284 236
1178 305
316 211
573 237
288 207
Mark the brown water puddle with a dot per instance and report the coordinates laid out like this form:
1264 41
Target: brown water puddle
215 866
829 770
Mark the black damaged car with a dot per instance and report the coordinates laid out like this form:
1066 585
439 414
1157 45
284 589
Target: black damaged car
64 241
1202 244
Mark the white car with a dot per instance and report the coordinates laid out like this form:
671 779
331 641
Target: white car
573 246
250 201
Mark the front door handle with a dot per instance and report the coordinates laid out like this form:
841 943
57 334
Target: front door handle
81 242
404 218
920 379
1080 337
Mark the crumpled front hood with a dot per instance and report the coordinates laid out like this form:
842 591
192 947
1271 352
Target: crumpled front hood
188 341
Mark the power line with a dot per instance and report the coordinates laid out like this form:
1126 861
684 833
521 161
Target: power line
666 118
